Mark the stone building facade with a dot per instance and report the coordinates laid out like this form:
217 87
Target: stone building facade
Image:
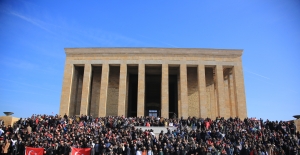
162 82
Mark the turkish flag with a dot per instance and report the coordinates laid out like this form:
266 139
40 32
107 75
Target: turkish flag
34 151
81 151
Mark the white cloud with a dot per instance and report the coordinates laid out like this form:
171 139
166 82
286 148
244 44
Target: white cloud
35 22
262 76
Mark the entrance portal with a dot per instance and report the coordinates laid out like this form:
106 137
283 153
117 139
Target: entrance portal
132 90
153 94
173 91
153 90
173 96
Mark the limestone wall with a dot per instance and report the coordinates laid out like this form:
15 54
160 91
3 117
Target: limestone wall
193 93
95 91
76 91
297 123
230 98
210 93
9 120
113 91
226 95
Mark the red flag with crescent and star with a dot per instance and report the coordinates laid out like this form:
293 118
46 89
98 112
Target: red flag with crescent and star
81 151
34 151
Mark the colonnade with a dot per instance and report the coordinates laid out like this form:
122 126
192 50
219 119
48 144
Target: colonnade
228 99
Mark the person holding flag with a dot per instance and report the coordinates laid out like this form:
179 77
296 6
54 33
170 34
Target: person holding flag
34 151
81 151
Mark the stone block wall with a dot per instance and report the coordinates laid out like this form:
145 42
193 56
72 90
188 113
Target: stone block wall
211 93
95 90
193 93
297 123
9 120
76 91
113 91
227 107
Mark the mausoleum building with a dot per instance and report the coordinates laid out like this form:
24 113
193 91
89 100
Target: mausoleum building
163 82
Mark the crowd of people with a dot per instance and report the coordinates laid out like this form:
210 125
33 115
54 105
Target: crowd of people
120 135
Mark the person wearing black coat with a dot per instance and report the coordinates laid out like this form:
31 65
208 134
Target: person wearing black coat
56 149
67 149
61 149
103 149
245 150
177 151
127 150
21 148
236 151
183 151
133 149
120 150
49 151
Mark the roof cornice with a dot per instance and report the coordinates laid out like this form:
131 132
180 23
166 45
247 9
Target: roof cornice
157 51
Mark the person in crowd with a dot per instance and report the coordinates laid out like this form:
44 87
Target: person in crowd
6 147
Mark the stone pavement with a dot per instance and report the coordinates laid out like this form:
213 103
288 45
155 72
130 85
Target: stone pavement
156 129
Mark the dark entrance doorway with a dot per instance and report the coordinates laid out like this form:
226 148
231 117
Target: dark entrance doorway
153 91
132 73
173 91
173 96
153 94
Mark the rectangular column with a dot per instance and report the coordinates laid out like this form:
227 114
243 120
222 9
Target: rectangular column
122 90
127 97
240 91
232 94
227 92
183 91
84 107
165 91
103 90
220 91
66 90
202 91
179 96
76 90
141 91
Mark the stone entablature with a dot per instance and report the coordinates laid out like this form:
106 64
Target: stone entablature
99 81
160 51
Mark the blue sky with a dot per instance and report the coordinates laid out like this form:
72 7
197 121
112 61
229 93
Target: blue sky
33 35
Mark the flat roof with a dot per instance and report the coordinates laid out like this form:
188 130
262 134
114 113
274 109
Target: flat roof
157 51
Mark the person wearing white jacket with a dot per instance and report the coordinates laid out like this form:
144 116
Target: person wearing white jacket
149 152
139 151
